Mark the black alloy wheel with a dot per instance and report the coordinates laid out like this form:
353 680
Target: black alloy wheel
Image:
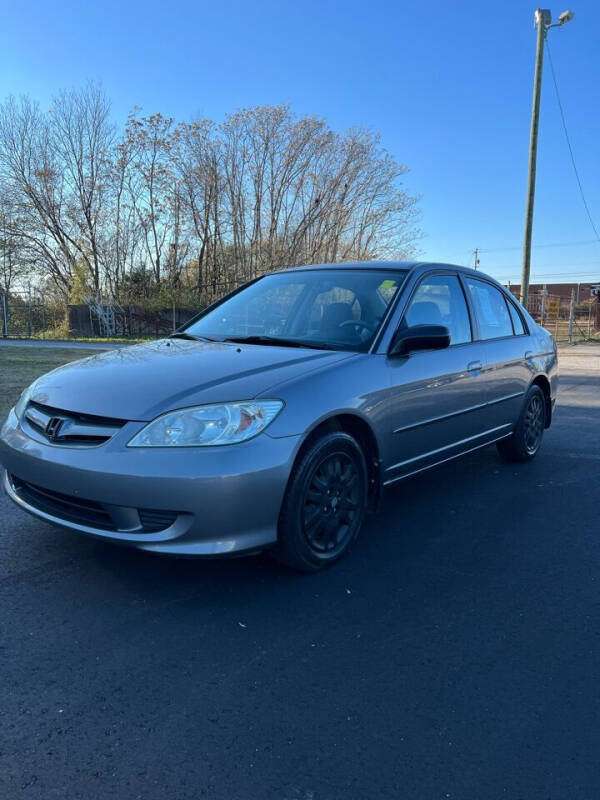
331 503
525 440
325 502
533 423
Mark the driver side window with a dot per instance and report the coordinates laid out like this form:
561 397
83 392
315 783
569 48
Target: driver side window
439 300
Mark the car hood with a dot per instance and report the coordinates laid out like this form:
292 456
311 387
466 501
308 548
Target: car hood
140 382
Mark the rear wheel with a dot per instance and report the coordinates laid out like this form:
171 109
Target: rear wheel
324 505
526 439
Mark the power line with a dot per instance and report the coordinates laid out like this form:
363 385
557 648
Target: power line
573 264
552 244
558 277
546 278
572 275
564 123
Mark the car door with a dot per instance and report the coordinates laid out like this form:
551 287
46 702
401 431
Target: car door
437 403
506 342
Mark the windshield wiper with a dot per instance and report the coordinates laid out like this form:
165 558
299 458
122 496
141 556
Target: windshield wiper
277 341
191 337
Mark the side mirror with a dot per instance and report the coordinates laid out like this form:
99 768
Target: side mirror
419 337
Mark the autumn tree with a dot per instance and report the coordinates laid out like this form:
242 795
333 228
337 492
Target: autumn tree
197 205
55 167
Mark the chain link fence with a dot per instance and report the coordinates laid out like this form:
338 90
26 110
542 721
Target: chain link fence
31 315
25 315
567 320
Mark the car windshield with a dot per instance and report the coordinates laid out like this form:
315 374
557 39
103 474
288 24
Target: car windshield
338 309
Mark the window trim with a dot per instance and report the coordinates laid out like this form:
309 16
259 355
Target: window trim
388 318
510 304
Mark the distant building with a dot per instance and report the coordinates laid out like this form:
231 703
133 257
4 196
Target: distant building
550 305
583 291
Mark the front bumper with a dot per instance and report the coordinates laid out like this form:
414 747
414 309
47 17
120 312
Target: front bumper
227 499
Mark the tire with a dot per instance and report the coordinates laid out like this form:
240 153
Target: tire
526 439
324 505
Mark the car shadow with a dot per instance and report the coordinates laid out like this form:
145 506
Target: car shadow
466 517
415 513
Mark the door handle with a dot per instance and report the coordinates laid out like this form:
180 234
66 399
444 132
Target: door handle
473 366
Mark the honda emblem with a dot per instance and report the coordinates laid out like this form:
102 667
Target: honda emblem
53 427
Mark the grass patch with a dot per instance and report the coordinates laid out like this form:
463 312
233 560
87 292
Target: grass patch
19 366
99 339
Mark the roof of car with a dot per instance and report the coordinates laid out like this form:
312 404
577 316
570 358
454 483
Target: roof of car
391 265
385 265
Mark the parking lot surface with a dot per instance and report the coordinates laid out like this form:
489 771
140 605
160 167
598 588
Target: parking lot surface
453 654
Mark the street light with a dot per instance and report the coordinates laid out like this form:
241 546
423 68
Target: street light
543 20
566 16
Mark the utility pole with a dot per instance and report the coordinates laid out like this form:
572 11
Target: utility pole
543 18
476 261
543 296
571 316
3 294
543 21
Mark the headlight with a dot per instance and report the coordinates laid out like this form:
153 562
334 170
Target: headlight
22 402
204 426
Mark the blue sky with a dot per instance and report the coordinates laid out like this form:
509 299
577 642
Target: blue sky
448 86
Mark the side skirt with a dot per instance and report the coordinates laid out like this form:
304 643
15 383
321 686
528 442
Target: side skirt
448 458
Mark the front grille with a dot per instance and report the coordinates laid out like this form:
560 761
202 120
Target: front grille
63 506
69 427
87 512
153 521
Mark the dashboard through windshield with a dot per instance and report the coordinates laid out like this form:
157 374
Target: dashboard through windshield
338 309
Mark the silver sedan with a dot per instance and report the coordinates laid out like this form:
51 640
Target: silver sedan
276 417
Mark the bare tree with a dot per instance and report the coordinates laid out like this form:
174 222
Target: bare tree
13 262
82 138
31 176
150 185
55 166
123 235
195 205
298 192
197 165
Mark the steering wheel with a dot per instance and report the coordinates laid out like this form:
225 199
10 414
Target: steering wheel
358 323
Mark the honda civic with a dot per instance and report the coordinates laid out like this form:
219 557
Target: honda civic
277 416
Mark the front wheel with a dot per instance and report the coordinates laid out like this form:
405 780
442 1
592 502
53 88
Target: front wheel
526 439
324 505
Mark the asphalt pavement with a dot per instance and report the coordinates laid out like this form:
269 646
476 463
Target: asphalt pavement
453 654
